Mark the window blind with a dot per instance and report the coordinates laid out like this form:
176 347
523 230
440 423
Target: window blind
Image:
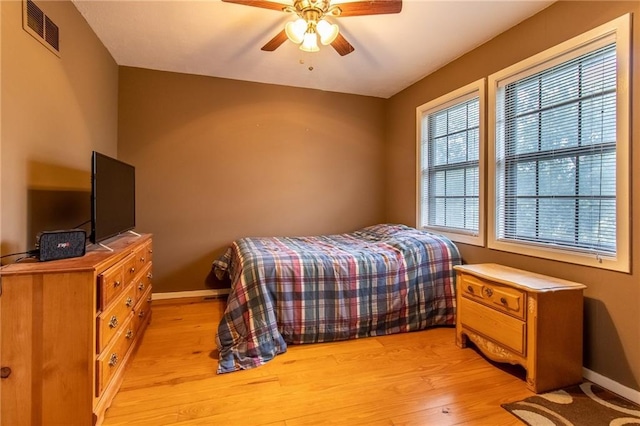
556 155
450 174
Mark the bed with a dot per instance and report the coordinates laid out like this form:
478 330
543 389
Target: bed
379 280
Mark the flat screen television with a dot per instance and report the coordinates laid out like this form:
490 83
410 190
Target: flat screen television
113 197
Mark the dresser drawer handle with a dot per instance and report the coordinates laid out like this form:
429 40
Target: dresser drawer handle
129 302
149 299
489 292
113 360
142 259
113 323
129 334
503 300
132 270
141 314
149 275
116 284
470 289
141 286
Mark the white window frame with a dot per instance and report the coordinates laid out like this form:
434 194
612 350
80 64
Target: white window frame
618 30
470 91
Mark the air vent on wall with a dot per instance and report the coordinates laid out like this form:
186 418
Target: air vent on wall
40 26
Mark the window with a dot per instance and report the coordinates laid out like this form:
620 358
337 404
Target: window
560 149
450 165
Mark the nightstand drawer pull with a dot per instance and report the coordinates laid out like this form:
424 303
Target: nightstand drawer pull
489 292
503 300
470 289
113 360
113 323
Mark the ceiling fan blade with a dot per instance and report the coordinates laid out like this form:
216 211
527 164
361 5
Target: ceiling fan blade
370 7
260 3
275 42
342 46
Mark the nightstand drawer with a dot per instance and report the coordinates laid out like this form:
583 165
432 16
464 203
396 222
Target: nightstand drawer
505 299
508 331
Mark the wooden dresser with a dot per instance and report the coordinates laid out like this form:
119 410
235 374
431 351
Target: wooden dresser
68 329
523 318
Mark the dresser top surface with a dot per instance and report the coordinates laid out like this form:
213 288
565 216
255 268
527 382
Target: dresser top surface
97 258
526 280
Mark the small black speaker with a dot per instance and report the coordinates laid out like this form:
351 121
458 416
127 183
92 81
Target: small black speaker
54 245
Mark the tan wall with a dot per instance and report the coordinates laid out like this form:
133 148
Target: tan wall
612 305
55 111
220 159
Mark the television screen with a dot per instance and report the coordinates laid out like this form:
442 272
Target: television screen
113 200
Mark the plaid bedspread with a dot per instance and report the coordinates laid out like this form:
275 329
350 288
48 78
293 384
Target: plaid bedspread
379 280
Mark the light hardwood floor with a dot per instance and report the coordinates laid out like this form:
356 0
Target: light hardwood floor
419 378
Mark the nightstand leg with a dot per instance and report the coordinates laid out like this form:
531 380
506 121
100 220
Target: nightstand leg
461 339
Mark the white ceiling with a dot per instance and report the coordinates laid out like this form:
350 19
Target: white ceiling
212 38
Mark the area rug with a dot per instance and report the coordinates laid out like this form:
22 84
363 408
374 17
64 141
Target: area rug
581 405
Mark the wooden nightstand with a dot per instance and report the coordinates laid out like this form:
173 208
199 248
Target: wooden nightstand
522 318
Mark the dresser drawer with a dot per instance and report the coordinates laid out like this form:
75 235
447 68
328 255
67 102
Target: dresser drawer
505 299
142 310
111 320
504 329
114 280
110 285
142 282
144 255
130 268
110 360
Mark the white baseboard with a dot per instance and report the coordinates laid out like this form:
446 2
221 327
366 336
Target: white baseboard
194 293
615 387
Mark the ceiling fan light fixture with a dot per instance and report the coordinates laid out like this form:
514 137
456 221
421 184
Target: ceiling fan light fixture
327 32
312 13
295 30
310 42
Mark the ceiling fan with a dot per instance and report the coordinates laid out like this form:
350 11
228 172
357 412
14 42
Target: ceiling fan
310 23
